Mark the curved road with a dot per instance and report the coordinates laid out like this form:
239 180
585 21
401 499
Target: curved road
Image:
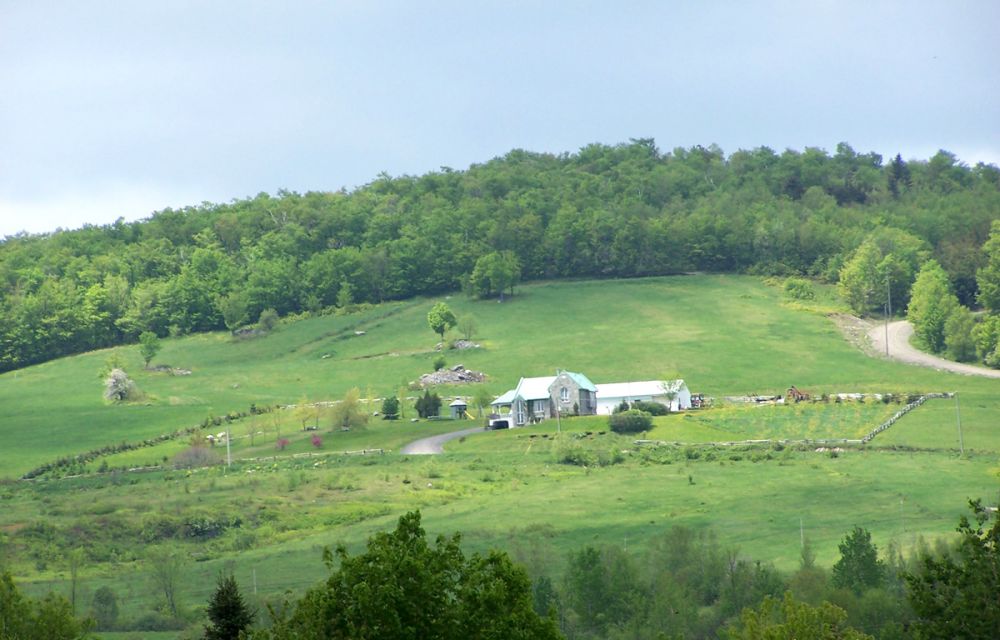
900 349
432 445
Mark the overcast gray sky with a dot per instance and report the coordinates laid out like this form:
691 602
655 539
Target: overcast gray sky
112 109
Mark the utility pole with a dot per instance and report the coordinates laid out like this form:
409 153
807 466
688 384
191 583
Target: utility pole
888 312
958 416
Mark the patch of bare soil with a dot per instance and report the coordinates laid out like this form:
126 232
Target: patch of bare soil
855 331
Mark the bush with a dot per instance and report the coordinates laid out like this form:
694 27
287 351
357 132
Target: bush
439 363
118 387
428 405
196 457
652 408
799 289
631 421
155 621
390 408
268 320
104 609
580 455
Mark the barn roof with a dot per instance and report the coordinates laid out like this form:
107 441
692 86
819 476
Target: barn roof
638 388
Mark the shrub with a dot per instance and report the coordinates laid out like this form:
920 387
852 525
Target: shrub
428 405
118 387
652 408
631 421
439 363
799 289
197 456
281 444
268 320
390 408
104 609
317 441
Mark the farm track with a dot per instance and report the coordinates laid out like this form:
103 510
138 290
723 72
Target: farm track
434 444
900 349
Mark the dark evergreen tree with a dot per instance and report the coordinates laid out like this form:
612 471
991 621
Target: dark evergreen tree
897 176
428 405
228 612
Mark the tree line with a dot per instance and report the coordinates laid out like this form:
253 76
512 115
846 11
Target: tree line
685 585
625 210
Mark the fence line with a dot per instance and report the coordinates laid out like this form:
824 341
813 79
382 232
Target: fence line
899 414
818 441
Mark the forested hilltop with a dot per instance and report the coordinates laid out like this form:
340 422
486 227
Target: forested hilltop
606 211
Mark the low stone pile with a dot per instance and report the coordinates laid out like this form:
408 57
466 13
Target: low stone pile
455 375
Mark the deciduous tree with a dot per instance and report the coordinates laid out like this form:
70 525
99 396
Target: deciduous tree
789 619
931 304
348 414
958 596
402 587
149 346
988 277
858 567
440 318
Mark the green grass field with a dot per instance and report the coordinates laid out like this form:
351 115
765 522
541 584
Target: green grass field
725 335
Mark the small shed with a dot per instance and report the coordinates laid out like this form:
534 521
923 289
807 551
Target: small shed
458 408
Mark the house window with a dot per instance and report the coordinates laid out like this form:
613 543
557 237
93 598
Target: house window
564 395
520 413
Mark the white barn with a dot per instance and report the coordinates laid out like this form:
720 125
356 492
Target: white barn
670 393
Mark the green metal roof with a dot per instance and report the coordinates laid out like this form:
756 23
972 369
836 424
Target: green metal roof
581 381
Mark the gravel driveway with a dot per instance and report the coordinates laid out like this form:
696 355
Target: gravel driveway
900 349
433 444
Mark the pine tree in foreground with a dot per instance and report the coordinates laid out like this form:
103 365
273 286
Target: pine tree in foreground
228 612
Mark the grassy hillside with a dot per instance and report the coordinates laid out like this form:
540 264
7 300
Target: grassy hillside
270 516
723 334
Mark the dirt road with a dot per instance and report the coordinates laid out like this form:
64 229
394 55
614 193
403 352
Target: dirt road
900 349
433 444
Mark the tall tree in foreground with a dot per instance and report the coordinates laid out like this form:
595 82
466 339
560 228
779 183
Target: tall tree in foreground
228 612
958 596
404 588
50 618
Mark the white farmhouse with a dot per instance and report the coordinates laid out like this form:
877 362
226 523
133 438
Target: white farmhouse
670 393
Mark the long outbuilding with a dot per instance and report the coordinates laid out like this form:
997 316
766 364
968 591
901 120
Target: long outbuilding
572 393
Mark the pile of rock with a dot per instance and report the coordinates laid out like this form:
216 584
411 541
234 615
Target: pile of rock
455 375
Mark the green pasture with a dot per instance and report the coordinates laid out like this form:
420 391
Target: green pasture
276 509
726 335
501 489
